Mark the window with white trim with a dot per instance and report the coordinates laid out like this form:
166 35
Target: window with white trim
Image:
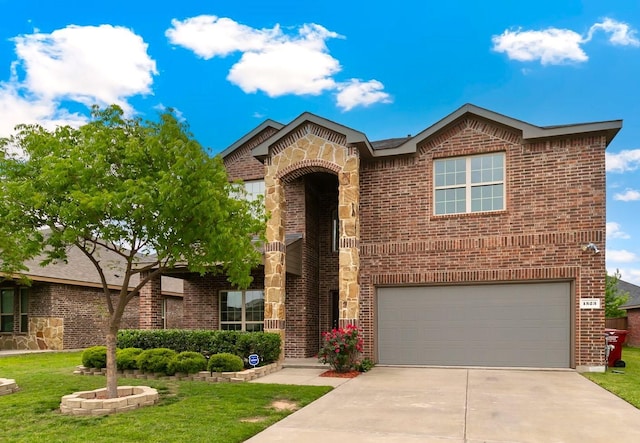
469 184
242 310
254 188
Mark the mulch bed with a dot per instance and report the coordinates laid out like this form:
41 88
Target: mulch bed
350 374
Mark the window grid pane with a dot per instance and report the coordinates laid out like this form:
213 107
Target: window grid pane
242 310
231 306
450 201
469 184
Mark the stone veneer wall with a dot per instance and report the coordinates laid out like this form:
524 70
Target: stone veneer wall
44 333
311 149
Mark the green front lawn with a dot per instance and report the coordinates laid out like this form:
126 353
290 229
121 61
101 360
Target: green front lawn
188 411
624 382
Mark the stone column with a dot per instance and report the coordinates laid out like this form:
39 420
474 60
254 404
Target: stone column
150 307
274 259
349 261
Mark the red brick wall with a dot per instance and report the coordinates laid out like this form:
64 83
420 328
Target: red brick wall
328 201
310 202
83 310
633 326
174 312
302 329
150 301
241 164
200 298
555 203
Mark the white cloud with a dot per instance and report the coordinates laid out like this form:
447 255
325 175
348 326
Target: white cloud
18 106
551 46
90 65
209 36
614 230
628 195
555 46
623 161
288 66
358 93
619 33
622 256
271 61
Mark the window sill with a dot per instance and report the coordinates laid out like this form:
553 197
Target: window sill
484 214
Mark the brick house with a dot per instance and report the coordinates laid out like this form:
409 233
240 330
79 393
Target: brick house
461 245
633 311
64 306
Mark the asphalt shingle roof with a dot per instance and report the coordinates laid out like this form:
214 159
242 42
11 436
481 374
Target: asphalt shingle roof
634 294
78 270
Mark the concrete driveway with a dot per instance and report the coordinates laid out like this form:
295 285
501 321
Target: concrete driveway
461 405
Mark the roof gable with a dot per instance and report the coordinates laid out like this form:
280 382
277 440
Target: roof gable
352 136
409 145
251 134
529 132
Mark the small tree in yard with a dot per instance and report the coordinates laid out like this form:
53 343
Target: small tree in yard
613 297
144 190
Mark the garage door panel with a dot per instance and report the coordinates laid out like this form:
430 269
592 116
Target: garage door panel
487 325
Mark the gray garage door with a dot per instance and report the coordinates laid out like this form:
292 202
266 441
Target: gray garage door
522 325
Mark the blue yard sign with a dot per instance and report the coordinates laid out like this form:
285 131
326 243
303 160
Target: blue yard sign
254 359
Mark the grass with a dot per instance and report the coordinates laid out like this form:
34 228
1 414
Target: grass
187 411
625 385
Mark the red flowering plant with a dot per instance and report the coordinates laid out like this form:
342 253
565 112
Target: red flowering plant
341 348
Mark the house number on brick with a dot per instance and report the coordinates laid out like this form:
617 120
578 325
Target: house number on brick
589 303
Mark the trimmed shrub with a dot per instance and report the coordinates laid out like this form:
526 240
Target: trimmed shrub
265 344
156 360
127 358
95 357
225 362
188 362
180 340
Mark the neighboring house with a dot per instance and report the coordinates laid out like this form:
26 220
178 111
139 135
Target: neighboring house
633 311
64 307
463 245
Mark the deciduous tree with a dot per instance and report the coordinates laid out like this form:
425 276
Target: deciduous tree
144 190
613 297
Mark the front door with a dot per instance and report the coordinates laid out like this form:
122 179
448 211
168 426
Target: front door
335 309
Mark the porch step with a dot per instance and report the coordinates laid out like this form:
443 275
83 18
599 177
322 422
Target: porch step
310 363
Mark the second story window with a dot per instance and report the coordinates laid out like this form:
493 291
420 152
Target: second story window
469 184
254 188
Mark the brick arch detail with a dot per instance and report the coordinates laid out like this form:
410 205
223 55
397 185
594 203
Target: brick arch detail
305 167
508 136
307 153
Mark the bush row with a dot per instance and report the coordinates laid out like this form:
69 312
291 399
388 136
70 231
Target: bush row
162 360
265 344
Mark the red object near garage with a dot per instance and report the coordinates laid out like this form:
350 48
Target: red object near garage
615 339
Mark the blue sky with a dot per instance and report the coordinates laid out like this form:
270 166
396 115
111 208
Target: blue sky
387 71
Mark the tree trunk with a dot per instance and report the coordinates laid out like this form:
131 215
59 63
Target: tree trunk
112 370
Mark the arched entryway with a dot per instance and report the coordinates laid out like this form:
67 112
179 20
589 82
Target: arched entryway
312 189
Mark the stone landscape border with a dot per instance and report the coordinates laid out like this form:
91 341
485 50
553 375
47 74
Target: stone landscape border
94 403
212 377
8 386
